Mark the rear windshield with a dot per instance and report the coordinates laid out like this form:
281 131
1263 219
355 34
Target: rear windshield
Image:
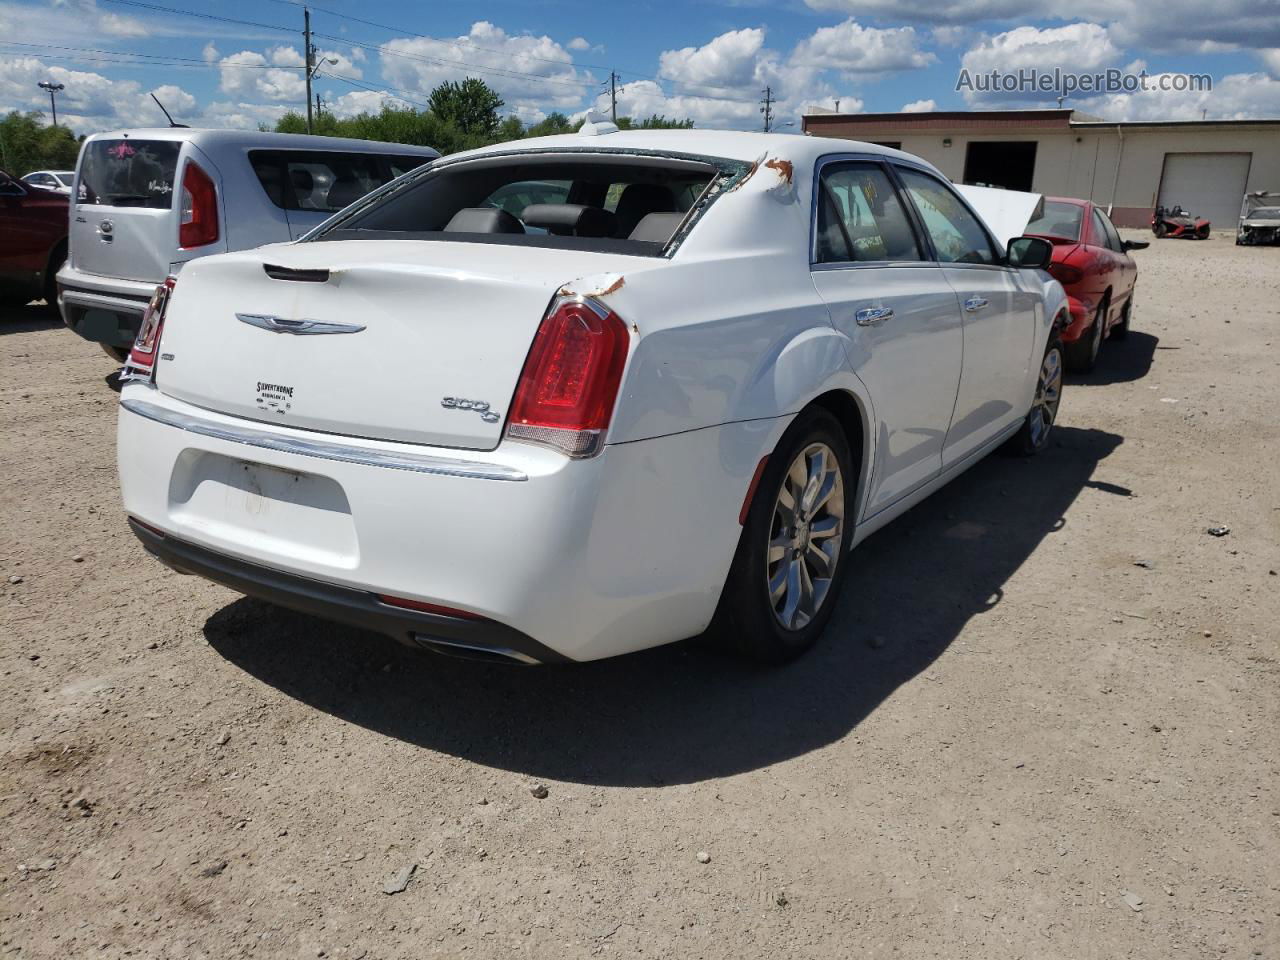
129 173
322 180
558 200
1058 220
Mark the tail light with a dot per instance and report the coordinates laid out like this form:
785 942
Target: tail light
1065 274
570 380
141 364
199 224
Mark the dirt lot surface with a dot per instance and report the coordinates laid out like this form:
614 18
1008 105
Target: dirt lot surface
1044 723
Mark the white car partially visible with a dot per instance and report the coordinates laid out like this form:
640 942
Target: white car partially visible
573 397
58 181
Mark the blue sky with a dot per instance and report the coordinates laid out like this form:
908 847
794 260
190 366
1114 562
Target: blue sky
704 59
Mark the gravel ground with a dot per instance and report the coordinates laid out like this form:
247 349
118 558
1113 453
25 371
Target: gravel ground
1043 723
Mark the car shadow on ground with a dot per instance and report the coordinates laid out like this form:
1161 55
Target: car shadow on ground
1120 361
26 318
680 713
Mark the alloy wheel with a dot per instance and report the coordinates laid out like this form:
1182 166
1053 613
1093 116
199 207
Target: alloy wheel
805 536
1044 410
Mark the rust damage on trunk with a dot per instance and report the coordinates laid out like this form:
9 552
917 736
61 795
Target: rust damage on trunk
783 167
613 287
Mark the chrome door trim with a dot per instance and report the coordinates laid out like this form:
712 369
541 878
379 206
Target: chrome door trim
299 327
323 449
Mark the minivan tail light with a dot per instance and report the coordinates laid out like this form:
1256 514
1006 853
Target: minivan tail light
566 393
199 224
141 364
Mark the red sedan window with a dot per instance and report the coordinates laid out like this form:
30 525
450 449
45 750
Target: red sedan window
1058 220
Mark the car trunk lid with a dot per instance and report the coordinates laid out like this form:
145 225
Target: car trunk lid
420 342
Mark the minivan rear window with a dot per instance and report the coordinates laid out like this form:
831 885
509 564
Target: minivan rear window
129 173
323 180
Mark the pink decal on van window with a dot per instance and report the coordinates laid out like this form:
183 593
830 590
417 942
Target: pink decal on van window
121 150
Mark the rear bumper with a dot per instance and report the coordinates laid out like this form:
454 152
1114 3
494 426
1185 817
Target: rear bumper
1081 319
102 309
567 559
344 605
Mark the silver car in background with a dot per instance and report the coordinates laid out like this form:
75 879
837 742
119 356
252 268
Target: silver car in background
147 201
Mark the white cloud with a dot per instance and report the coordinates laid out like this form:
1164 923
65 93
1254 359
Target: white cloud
643 98
852 48
1079 47
927 11
731 60
579 43
210 53
1240 96
419 64
363 101
920 106
1271 60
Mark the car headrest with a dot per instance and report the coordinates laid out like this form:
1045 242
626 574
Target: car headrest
302 180
656 227
483 220
570 219
640 199
344 192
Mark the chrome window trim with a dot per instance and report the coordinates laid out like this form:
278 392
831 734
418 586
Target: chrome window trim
323 449
882 161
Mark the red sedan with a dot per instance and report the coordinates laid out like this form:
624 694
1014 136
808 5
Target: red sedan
33 241
1093 265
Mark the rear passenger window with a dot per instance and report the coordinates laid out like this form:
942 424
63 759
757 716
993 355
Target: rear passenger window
957 235
324 181
1107 235
861 217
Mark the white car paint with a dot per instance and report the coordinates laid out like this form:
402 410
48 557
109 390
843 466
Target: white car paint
59 181
1006 212
730 338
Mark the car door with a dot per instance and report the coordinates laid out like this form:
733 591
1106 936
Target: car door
1123 271
998 306
900 317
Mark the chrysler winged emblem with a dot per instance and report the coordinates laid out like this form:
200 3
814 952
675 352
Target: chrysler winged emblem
298 327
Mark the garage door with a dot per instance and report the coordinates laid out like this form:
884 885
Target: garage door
1208 185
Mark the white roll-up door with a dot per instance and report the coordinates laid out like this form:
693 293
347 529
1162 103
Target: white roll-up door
1209 185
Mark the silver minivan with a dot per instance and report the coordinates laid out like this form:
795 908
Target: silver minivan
145 202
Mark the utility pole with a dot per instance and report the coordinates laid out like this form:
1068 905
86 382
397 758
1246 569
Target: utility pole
613 96
53 89
767 109
310 56
319 106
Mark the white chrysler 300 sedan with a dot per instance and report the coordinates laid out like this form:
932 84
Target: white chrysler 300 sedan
571 397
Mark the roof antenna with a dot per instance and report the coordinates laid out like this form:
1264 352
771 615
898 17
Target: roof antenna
166 113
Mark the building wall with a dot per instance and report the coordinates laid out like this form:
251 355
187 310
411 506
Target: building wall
1081 161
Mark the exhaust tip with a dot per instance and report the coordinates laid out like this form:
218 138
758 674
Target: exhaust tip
470 651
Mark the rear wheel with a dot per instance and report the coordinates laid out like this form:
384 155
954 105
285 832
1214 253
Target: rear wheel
1202 233
791 558
1034 433
1121 329
1082 355
1160 230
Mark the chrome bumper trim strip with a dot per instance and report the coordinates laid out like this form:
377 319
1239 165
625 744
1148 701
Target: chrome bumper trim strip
322 449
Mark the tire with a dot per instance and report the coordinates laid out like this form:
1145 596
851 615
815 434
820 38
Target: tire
1121 329
1082 355
1202 233
1160 230
1037 426
754 620
51 280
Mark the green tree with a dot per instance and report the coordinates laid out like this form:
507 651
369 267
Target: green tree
554 123
472 106
27 144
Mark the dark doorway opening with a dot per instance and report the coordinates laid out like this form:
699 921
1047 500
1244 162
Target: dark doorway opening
1001 163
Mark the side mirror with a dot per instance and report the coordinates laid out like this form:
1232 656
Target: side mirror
1127 245
1029 253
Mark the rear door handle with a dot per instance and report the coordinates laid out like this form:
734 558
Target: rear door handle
870 316
974 304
